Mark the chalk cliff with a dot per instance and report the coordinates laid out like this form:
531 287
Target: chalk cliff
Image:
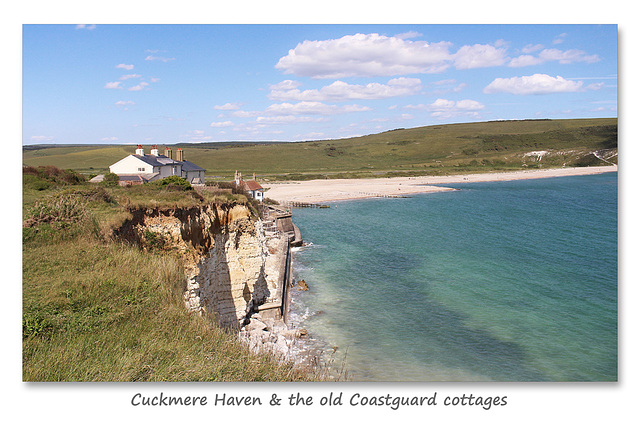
232 267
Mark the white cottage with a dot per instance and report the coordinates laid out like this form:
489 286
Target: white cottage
255 189
140 167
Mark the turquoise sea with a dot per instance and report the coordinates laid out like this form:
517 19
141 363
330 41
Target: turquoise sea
499 281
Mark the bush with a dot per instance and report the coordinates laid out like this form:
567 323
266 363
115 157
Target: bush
44 177
110 180
59 210
154 241
268 201
35 182
588 160
174 182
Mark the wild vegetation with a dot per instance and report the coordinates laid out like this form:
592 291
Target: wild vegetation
95 309
429 150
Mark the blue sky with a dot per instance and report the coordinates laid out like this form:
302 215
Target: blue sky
163 84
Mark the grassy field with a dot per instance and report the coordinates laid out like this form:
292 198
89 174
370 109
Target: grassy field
443 149
94 309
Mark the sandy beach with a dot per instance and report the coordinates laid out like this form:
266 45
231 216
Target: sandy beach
329 190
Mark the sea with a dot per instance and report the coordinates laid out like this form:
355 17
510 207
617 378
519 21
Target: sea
497 281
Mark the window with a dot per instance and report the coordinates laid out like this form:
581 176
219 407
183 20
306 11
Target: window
140 169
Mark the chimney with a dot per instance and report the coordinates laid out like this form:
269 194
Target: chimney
167 152
179 155
139 150
254 176
154 150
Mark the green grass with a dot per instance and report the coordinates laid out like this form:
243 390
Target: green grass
98 310
439 149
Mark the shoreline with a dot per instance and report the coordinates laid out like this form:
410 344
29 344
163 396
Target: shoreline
332 190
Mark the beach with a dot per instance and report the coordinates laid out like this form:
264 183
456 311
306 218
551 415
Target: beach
329 190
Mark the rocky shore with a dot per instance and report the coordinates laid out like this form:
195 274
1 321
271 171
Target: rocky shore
271 335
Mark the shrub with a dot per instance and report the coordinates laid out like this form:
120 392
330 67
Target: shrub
174 182
33 324
34 182
44 177
154 241
110 179
62 209
588 160
268 201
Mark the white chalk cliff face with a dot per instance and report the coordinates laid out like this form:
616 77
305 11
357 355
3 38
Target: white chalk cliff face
231 278
225 255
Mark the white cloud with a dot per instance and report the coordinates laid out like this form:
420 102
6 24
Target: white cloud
341 91
525 61
568 56
546 55
41 138
154 79
365 55
139 86
125 103
228 106
109 138
310 135
595 86
221 124
530 48
85 27
444 108
560 38
158 58
313 108
536 84
408 35
113 85
446 86
288 119
127 67
130 76
242 113
479 56
196 136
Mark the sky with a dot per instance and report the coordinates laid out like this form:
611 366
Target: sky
165 84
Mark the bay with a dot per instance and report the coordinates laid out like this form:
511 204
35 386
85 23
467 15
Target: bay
499 281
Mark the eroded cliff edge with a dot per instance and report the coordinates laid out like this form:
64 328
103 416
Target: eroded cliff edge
235 271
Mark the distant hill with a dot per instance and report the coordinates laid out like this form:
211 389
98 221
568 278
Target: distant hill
439 149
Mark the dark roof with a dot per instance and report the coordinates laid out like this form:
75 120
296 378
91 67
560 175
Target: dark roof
132 178
188 166
164 161
138 177
156 160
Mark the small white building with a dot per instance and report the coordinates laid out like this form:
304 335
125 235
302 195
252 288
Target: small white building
140 167
255 189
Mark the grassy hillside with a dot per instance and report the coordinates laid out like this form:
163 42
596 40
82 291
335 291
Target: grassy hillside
439 149
97 310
